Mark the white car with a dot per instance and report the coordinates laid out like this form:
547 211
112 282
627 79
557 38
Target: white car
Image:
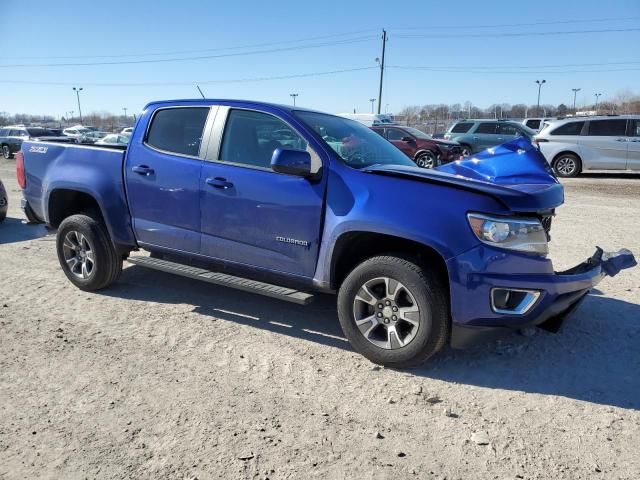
536 124
576 144
76 131
369 119
127 130
114 139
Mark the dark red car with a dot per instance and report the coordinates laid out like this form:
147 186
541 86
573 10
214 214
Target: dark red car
427 152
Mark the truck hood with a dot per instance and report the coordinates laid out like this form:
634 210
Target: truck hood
515 173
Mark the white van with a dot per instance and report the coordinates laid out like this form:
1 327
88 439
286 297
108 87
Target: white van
370 119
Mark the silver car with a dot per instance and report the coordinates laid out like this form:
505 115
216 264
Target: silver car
576 144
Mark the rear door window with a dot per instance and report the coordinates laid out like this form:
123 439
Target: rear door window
396 134
607 128
507 129
178 130
462 127
571 128
487 128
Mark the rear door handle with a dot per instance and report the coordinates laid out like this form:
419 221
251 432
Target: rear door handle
219 182
143 170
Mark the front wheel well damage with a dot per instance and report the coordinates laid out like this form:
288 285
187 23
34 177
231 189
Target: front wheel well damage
353 248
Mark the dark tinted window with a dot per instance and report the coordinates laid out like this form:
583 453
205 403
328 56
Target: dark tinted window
18 133
251 137
486 128
396 134
462 127
571 128
3 132
178 130
379 131
38 132
635 128
602 128
535 124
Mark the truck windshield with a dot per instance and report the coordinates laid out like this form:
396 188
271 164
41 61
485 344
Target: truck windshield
354 143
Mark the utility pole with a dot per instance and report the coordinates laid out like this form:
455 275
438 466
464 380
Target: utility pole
77 90
597 95
539 82
293 95
575 92
125 113
373 100
384 43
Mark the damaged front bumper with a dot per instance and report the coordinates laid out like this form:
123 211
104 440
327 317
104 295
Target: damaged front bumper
484 277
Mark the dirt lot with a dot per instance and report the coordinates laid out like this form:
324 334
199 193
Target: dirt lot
162 377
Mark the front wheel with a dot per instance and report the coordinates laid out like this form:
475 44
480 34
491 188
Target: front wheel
86 254
393 311
467 151
6 152
427 159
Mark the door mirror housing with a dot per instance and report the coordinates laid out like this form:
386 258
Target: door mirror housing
291 162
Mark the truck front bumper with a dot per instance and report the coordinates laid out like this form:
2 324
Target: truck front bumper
477 275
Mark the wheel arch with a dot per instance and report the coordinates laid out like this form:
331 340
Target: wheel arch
353 247
571 152
424 150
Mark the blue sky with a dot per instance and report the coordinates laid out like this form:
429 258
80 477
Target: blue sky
475 68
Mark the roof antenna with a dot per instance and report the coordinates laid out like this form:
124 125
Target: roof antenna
198 87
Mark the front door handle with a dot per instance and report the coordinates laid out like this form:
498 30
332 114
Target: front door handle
143 170
219 182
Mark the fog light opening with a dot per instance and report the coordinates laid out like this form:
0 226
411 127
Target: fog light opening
513 301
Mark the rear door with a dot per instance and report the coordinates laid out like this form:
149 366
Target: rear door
163 178
633 145
252 215
605 144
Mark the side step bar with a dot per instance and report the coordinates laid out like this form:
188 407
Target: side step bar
217 278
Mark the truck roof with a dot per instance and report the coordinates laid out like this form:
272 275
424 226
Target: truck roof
229 102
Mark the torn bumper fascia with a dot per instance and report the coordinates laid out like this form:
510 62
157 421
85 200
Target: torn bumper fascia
483 269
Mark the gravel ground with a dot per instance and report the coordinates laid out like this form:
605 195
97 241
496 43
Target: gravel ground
163 377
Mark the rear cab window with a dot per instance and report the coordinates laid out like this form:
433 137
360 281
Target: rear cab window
177 130
462 127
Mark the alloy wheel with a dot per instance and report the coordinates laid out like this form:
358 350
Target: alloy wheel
426 160
386 313
6 153
566 166
78 254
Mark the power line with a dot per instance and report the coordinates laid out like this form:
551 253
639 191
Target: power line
201 57
205 82
206 50
529 72
493 67
557 22
518 34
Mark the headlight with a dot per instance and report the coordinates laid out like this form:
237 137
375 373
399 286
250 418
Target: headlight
520 234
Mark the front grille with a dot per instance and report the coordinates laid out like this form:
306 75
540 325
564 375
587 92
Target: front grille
546 224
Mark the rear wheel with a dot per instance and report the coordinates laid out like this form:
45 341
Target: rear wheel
86 254
427 159
6 152
567 165
393 311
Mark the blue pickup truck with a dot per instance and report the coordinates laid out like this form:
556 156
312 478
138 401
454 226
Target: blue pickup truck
289 202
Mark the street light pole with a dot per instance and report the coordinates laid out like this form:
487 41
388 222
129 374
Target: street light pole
384 43
539 82
77 90
575 92
597 95
293 95
372 100
125 113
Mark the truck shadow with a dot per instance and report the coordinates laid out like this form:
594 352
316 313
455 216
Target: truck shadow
595 358
13 230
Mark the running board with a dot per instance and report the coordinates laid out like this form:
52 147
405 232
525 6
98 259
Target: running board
222 279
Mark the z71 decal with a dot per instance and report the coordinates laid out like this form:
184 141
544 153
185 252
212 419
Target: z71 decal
34 149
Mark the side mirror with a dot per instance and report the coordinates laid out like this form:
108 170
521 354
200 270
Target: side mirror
291 162
407 139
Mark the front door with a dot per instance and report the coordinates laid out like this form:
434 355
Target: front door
163 179
402 140
250 214
605 145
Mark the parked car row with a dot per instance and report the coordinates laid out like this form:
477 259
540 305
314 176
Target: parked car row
11 137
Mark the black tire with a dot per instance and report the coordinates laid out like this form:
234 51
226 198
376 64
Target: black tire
567 165
31 216
427 159
107 264
467 151
3 215
6 152
425 288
